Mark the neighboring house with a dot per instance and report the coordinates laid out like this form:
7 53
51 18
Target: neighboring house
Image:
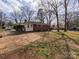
8 27
32 26
74 28
61 27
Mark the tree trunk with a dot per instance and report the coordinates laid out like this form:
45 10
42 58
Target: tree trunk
16 21
57 21
1 19
65 15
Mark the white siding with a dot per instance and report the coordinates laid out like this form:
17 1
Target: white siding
29 27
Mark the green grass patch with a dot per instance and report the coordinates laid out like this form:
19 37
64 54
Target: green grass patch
41 52
73 35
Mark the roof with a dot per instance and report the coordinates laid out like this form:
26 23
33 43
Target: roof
31 23
34 23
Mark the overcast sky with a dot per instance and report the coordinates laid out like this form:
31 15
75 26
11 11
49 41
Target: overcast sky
10 5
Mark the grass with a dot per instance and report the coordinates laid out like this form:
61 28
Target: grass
73 35
47 47
51 46
41 52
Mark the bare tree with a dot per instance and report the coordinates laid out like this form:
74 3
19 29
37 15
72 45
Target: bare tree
14 16
66 11
49 16
70 16
3 18
48 12
40 15
78 1
27 12
53 6
1 13
76 21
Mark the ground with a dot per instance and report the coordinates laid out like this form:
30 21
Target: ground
40 45
9 43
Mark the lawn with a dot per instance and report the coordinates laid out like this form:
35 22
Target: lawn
51 45
54 46
73 35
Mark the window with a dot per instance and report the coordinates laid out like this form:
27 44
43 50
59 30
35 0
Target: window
27 26
31 25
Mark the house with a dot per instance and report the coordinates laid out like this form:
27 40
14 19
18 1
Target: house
32 26
74 28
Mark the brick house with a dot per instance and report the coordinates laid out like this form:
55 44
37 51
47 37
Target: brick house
32 26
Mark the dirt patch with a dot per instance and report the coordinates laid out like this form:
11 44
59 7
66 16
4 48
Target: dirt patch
9 43
50 46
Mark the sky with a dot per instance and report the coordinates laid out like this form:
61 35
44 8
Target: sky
14 5
10 6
